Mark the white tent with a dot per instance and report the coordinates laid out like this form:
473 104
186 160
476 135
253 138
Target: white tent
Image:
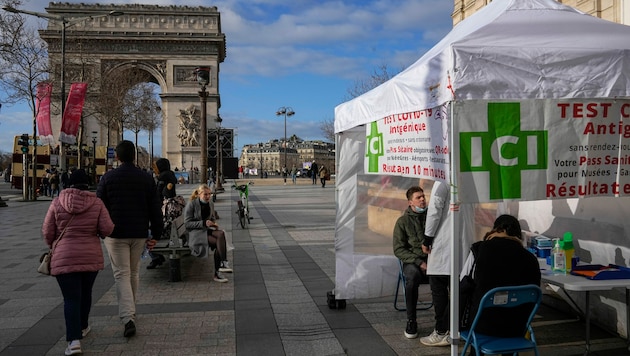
526 103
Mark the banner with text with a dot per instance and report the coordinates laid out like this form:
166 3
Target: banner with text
542 149
42 103
413 144
72 113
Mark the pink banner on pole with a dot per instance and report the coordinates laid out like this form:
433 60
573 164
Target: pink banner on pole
72 114
42 103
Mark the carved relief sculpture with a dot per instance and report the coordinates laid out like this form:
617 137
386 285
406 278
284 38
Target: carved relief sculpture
189 126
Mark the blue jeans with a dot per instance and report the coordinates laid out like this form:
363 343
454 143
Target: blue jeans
77 301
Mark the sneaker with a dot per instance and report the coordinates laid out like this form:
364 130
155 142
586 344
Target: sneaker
436 339
130 329
86 331
219 278
225 267
412 329
74 348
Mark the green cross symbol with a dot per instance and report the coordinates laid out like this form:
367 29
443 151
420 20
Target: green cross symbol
374 148
504 150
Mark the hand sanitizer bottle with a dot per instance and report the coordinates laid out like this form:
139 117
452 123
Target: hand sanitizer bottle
559 261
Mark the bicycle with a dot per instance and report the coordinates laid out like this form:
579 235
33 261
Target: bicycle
243 203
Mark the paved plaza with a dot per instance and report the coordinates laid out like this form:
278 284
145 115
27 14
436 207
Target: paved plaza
274 303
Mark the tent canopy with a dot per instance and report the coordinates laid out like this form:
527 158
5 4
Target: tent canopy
535 53
510 49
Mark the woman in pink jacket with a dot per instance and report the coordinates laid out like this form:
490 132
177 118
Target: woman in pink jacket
78 256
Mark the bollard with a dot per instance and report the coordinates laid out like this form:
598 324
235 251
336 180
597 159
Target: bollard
174 268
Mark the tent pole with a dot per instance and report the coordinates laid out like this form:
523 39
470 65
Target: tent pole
455 228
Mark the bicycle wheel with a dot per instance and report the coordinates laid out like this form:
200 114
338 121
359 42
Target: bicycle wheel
242 219
246 216
241 214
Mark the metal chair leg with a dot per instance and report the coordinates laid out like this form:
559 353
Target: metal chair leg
401 280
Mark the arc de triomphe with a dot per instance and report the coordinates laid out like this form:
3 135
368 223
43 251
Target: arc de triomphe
167 42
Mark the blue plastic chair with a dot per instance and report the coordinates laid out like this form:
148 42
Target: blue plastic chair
402 280
505 297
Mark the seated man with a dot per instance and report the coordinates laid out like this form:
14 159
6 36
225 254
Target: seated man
408 237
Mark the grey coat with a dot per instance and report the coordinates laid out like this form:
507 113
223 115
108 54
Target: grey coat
196 227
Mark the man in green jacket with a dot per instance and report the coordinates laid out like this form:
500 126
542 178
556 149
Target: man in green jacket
408 237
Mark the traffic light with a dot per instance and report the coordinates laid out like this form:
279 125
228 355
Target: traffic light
23 141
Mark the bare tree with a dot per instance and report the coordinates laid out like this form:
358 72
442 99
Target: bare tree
379 76
328 129
140 108
111 103
23 65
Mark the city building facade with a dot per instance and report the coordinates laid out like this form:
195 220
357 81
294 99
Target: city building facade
612 10
269 157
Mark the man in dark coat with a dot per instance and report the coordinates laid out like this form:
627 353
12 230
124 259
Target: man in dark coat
130 197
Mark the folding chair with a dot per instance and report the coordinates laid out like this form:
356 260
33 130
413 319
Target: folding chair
504 297
402 280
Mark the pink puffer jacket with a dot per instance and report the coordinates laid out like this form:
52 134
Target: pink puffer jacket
80 247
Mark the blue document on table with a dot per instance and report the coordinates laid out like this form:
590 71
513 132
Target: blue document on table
601 272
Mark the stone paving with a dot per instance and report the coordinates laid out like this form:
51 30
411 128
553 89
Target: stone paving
274 303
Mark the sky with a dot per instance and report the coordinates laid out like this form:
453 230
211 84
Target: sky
303 54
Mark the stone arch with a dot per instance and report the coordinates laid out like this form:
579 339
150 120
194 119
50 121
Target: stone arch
167 42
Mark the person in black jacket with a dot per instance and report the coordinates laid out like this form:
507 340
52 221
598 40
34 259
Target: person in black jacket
502 260
129 195
162 168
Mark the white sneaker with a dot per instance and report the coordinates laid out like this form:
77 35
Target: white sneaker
86 331
225 267
74 348
436 339
219 278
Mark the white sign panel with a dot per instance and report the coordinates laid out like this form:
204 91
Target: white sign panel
413 144
542 149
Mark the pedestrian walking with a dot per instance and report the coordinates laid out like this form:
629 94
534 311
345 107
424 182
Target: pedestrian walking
130 197
73 226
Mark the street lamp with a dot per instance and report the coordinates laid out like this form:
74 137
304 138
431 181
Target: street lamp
65 22
286 111
94 133
219 172
203 78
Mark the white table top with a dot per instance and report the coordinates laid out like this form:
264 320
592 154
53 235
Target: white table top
582 284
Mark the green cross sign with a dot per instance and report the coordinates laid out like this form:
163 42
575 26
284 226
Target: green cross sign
374 148
503 151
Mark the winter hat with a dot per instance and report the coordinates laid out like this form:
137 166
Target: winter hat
78 177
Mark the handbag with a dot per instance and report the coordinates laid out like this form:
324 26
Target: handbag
466 290
44 260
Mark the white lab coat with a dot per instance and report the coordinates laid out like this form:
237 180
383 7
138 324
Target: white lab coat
438 224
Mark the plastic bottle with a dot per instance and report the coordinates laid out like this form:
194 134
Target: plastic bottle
146 253
559 260
567 245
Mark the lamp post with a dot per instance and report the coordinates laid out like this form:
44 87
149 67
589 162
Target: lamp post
94 133
219 173
203 78
261 161
286 111
65 23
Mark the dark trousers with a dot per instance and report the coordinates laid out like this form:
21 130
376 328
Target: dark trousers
77 301
216 241
413 278
439 293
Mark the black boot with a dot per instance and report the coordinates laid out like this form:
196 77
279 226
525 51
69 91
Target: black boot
157 261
